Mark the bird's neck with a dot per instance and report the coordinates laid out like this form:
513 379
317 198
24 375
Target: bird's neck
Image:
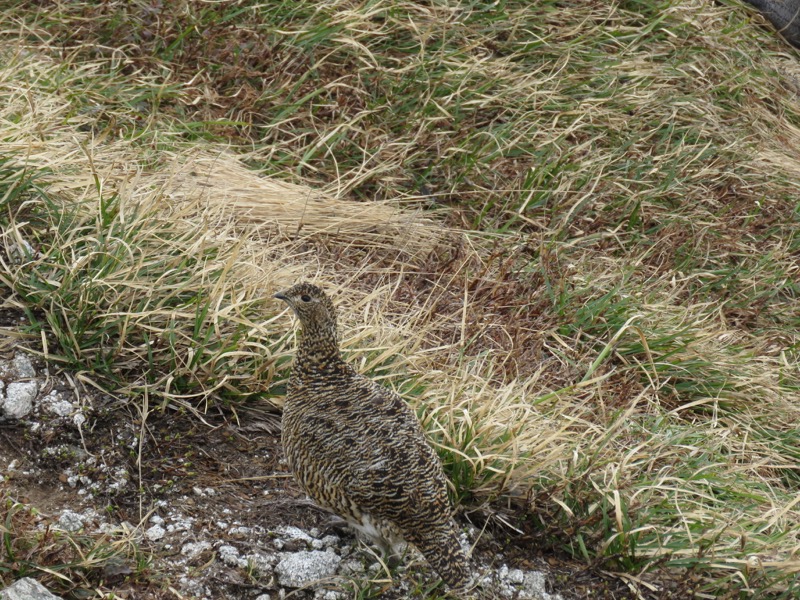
318 351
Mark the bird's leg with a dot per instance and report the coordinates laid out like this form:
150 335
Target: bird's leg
336 524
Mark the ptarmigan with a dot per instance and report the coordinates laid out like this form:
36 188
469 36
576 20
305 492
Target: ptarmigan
358 449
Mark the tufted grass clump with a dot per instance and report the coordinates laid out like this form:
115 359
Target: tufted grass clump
130 299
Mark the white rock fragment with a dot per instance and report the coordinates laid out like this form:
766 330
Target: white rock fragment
70 521
180 523
515 576
23 366
55 404
264 597
329 541
519 584
534 587
19 398
191 585
230 556
155 533
26 589
260 562
297 569
352 567
240 530
21 252
121 479
109 529
294 533
193 550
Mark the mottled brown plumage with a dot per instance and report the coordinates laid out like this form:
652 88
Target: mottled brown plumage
357 448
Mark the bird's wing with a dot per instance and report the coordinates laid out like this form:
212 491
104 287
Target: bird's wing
367 446
399 475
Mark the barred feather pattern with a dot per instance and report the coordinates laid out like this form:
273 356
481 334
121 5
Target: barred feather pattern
357 448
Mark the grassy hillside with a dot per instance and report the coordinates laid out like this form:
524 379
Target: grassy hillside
567 230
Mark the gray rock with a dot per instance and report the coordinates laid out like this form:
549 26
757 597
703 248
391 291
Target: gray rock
21 252
19 399
261 563
352 567
230 556
533 586
519 584
70 521
515 576
27 589
784 15
193 550
330 541
23 366
297 569
155 533
191 585
55 404
291 532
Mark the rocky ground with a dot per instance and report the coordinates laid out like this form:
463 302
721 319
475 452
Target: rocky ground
212 509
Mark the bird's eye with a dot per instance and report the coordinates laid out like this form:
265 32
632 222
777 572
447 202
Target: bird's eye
305 298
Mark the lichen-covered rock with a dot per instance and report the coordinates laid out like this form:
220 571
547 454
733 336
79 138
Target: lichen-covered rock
19 398
194 549
230 556
23 366
155 533
297 569
27 589
519 584
70 521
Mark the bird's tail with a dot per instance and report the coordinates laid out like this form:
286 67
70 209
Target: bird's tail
441 548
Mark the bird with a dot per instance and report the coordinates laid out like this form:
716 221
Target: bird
357 448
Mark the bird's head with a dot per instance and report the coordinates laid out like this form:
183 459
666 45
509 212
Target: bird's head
311 305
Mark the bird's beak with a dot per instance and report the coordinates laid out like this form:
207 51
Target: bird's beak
281 296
